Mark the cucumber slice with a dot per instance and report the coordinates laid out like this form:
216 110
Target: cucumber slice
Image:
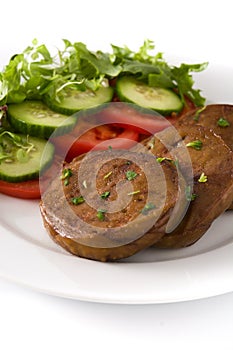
36 119
23 158
162 100
76 100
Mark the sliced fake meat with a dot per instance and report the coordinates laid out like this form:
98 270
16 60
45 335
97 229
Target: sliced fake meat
111 204
212 192
217 117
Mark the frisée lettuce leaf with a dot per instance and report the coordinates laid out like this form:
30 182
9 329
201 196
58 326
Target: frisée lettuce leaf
155 71
37 71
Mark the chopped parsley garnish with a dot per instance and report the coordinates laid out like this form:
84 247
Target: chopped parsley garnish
161 159
101 214
193 196
148 207
107 175
66 182
130 175
105 195
66 174
203 178
197 144
189 195
197 114
134 192
77 200
85 183
223 123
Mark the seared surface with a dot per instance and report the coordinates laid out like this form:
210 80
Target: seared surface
213 197
210 117
178 216
125 225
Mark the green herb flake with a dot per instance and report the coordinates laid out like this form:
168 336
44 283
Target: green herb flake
130 175
66 174
105 195
107 175
101 214
148 207
133 193
198 112
162 159
66 182
77 200
193 196
197 144
203 178
223 123
85 184
189 195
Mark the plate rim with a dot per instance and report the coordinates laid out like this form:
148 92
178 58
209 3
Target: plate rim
189 285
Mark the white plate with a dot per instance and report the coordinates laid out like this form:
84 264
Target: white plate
28 256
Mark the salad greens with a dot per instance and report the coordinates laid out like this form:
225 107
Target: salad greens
37 72
13 146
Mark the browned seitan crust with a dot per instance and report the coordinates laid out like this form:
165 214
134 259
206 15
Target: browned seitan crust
211 198
213 117
130 227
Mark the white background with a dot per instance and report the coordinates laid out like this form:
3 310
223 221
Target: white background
30 320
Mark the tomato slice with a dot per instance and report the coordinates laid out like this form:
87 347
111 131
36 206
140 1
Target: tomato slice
27 189
31 189
125 116
122 127
99 138
146 123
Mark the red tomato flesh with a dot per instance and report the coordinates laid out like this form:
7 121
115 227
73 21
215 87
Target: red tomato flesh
31 189
146 123
122 127
27 189
125 116
99 138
